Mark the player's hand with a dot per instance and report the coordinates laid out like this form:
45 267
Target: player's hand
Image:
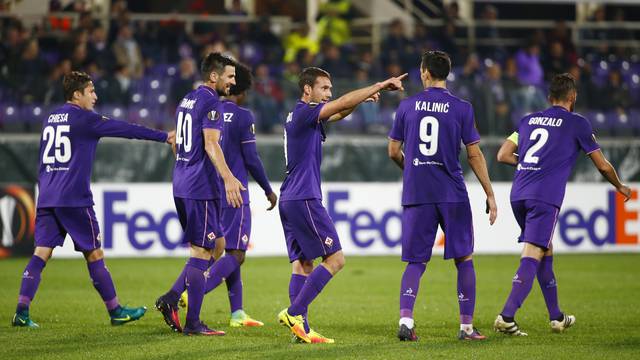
171 138
625 191
233 187
394 83
273 199
492 209
373 98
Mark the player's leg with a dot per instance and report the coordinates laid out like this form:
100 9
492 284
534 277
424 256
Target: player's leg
457 223
539 224
300 270
549 287
180 284
419 227
30 281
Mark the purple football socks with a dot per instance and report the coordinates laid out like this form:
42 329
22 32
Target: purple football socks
103 283
310 290
549 287
220 270
466 291
234 287
195 281
295 285
30 282
409 288
521 286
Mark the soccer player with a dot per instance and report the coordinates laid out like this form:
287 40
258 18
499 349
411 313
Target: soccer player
241 154
544 150
70 136
430 126
199 162
309 231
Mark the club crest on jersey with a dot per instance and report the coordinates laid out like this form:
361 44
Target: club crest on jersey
211 236
245 238
328 241
213 115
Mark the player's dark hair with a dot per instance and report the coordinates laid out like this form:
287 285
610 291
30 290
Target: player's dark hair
309 75
74 81
561 86
243 80
214 62
437 63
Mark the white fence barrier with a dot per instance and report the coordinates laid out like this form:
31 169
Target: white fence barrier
140 220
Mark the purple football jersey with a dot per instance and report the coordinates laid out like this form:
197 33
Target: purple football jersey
548 144
194 175
70 135
432 125
238 130
303 137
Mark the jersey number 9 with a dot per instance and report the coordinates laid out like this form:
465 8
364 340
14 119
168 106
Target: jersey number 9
428 136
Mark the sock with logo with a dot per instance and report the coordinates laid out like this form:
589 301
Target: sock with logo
520 286
196 282
179 285
549 287
466 291
295 285
314 284
234 287
220 270
103 283
409 288
30 282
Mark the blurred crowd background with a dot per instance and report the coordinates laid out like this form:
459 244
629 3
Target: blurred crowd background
143 67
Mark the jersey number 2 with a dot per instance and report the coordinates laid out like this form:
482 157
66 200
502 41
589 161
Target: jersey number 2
62 143
428 135
541 136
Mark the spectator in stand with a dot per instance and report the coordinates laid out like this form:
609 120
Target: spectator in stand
127 52
493 108
99 50
54 93
560 33
528 62
26 73
270 42
555 61
185 82
369 111
490 32
615 95
299 39
79 56
333 23
396 46
237 9
116 89
334 63
268 99
585 88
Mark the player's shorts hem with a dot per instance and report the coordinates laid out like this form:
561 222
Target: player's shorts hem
534 243
415 260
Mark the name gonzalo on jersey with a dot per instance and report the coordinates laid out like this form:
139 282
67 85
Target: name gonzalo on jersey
432 107
545 121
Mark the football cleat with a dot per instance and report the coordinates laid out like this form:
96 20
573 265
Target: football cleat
475 335
170 313
22 319
317 338
184 300
240 318
295 324
125 314
559 326
201 329
406 334
509 328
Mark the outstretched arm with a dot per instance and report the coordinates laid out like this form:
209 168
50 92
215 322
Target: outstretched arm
608 172
232 185
351 99
479 166
106 127
507 153
395 152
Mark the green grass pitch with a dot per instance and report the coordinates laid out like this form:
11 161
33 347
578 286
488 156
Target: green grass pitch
359 308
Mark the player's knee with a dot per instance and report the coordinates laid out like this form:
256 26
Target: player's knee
463 259
335 262
239 255
94 255
43 253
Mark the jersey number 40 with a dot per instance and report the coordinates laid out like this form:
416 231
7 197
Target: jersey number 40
183 131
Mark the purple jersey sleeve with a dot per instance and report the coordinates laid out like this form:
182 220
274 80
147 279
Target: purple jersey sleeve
250 154
213 116
248 130
102 126
311 113
586 138
397 129
469 132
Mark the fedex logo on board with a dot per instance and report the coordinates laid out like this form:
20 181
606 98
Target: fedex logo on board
575 225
